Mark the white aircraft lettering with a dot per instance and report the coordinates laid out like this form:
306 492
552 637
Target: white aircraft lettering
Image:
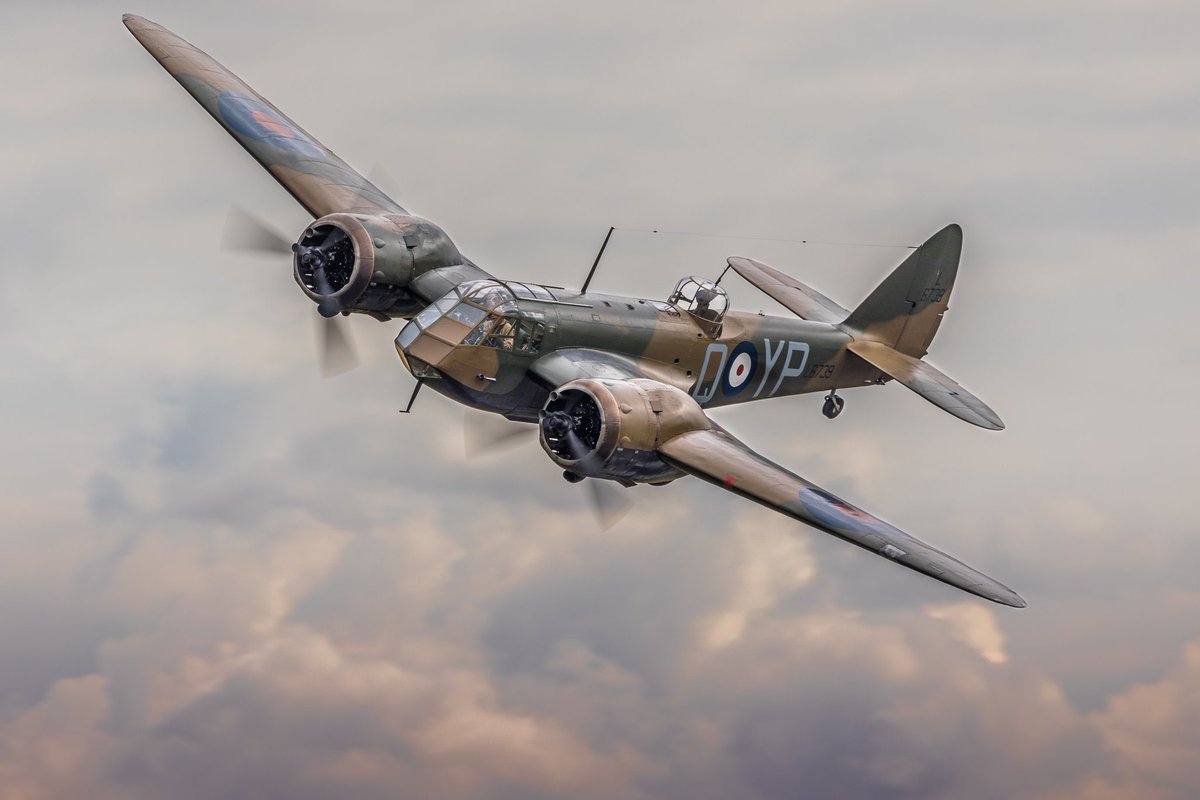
781 353
703 397
788 370
771 359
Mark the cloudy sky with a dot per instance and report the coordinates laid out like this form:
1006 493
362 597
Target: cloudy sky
222 576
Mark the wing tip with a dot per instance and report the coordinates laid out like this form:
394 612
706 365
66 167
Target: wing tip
139 26
994 423
989 423
978 415
1006 597
989 588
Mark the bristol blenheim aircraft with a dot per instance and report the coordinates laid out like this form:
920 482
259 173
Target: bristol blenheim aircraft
618 387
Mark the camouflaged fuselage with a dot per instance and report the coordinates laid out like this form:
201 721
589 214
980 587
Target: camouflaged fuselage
753 356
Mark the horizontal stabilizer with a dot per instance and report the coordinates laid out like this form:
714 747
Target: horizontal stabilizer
928 382
803 301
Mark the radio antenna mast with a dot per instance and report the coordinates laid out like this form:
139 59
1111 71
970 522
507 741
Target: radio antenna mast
596 263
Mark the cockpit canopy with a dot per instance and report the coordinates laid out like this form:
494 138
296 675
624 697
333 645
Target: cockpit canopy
480 313
703 299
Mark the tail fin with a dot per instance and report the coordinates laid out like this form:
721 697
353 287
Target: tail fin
905 310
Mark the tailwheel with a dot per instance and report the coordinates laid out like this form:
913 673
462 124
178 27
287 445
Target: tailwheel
833 405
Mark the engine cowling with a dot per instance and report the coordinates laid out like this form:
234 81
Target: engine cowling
612 429
353 262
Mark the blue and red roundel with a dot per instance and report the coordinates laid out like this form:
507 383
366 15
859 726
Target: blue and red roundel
838 514
742 364
254 120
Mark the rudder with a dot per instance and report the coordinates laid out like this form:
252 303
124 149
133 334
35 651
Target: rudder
906 309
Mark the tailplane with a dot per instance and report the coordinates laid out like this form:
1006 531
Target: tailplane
929 382
895 324
906 309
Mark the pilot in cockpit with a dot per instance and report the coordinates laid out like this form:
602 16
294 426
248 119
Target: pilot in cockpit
501 332
703 298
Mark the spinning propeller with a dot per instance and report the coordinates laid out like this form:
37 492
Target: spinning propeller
246 233
487 434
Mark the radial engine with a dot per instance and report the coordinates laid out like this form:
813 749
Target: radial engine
380 265
596 428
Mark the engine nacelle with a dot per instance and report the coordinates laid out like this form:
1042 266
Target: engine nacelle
612 429
353 262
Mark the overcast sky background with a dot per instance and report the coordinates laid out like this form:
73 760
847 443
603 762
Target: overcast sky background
222 576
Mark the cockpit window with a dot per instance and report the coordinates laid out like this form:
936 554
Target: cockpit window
437 309
521 332
465 289
429 316
501 334
467 314
531 329
701 298
530 291
410 332
489 295
490 311
476 335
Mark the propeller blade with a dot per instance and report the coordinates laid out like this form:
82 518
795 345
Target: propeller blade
485 434
245 232
337 350
327 306
581 452
578 449
610 501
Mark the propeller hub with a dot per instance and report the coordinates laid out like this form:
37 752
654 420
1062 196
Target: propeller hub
312 257
571 425
325 258
558 423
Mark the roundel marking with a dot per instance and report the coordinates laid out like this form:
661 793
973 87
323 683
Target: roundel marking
742 364
257 121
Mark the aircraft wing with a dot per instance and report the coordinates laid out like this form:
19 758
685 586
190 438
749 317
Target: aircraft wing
803 301
573 363
717 457
318 179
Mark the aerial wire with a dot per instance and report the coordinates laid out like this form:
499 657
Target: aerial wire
592 272
767 238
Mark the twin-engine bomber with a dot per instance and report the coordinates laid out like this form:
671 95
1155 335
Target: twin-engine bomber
618 387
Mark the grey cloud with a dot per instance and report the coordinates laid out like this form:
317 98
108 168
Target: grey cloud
223 576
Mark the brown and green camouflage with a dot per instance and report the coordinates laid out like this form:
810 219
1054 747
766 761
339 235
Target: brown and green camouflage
618 386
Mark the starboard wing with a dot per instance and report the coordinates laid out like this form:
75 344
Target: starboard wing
802 300
574 363
318 179
719 458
